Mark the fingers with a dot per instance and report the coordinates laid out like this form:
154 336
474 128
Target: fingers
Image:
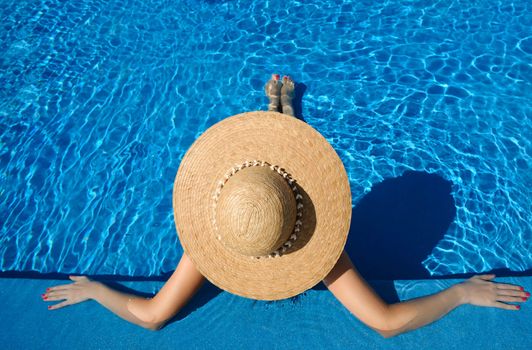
58 295
58 288
53 296
78 278
488 277
68 286
511 299
59 305
504 288
508 286
507 306
513 293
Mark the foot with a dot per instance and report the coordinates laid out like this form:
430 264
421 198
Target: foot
273 91
287 95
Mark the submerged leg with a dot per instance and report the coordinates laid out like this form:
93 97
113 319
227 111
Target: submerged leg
287 95
273 91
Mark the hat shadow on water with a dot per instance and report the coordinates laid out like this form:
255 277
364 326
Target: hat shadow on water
297 102
396 226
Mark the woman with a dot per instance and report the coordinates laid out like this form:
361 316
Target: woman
258 231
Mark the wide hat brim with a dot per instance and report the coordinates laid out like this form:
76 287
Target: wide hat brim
320 175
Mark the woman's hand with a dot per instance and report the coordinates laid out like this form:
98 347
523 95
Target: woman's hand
481 291
82 289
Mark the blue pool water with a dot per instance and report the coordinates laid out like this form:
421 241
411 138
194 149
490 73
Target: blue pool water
99 101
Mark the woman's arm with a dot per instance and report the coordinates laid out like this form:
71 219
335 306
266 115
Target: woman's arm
147 313
358 297
177 291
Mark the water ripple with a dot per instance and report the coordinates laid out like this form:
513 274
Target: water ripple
99 102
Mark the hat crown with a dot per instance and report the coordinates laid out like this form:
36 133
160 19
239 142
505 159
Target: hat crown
256 211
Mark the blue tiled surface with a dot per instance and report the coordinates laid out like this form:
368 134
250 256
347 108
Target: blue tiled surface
315 321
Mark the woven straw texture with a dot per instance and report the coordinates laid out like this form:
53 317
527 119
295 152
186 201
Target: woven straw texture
320 175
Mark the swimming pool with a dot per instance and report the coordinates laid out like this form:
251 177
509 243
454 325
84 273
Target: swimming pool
100 101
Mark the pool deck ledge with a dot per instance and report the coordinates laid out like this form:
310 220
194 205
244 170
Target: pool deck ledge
228 321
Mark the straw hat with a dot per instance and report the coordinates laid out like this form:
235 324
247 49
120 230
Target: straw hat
262 205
